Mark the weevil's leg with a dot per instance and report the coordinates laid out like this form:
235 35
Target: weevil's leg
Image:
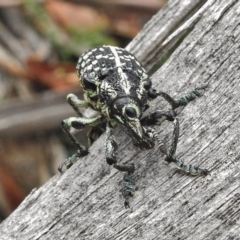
77 123
129 188
183 101
111 157
95 132
188 168
197 92
70 161
76 103
157 118
111 151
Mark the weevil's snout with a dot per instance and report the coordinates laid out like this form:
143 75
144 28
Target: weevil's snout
145 141
140 138
126 111
135 128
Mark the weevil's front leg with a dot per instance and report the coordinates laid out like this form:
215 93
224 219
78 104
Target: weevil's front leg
76 103
188 168
111 157
183 101
77 123
157 118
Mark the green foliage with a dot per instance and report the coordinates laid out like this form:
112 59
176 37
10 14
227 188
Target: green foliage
91 37
86 38
67 42
41 19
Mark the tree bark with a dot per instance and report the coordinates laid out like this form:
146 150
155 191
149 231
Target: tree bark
86 202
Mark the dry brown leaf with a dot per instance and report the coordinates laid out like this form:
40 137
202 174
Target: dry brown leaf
72 15
58 76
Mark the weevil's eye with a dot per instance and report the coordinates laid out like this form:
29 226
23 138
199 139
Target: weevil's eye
147 85
130 112
88 84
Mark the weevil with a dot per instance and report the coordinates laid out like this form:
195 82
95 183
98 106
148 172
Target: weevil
117 86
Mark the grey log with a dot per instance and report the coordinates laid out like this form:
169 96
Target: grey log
86 203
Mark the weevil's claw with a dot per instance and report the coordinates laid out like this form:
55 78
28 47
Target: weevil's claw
69 161
204 172
196 171
60 167
203 87
126 203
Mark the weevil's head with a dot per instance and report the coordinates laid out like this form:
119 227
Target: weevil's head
127 111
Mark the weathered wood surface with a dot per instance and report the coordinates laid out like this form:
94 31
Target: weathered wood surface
165 29
86 203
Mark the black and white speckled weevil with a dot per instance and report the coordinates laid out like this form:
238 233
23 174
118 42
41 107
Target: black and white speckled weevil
117 86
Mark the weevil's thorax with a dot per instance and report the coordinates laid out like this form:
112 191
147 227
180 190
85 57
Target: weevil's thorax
119 90
109 74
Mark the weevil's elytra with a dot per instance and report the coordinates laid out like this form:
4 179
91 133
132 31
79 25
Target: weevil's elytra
117 86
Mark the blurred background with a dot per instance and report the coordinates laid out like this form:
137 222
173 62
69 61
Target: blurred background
40 43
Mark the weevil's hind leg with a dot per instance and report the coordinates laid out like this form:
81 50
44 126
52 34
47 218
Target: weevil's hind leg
76 103
183 101
77 123
111 157
188 168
